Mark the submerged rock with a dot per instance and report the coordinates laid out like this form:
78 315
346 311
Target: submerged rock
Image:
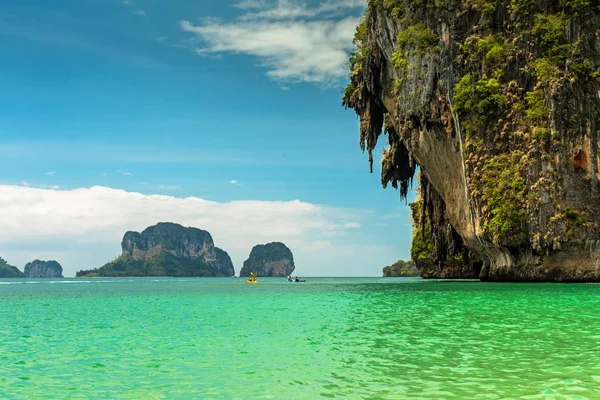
9 271
272 259
498 104
43 269
167 249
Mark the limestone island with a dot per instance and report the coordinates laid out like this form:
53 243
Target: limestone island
9 271
497 104
271 259
401 268
167 249
43 269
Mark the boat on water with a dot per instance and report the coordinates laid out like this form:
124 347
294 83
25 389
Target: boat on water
251 279
297 280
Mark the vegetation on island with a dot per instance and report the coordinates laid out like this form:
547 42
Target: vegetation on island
9 271
162 264
401 268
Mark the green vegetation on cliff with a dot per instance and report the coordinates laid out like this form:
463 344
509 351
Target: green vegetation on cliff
401 268
414 38
162 264
8 271
421 251
497 103
507 123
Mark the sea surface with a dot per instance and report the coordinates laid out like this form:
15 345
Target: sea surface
347 338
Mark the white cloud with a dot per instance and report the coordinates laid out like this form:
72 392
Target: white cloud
124 173
352 225
141 13
233 182
319 245
96 218
50 173
333 233
169 187
295 42
288 9
25 183
251 4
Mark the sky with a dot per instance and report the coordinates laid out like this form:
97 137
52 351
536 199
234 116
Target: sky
221 115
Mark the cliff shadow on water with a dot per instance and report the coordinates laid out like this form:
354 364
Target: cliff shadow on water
498 104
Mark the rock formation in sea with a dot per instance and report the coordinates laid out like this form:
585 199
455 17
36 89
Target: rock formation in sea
9 271
497 102
272 259
401 268
167 249
43 269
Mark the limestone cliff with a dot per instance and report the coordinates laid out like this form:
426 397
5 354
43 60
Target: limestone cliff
9 271
272 259
167 249
497 102
43 269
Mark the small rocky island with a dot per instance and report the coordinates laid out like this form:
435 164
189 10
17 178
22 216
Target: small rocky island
272 259
43 269
167 249
401 268
8 271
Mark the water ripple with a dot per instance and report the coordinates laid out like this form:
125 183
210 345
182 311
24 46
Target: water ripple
384 339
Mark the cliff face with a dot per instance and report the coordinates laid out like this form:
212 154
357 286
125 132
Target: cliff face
43 269
9 271
498 104
272 259
167 249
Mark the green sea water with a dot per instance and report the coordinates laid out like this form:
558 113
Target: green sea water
375 338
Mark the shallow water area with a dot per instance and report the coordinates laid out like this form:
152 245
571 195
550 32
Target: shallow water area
384 338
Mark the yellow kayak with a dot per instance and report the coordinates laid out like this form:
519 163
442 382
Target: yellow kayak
251 278
250 282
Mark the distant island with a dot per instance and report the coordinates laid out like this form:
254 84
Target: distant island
9 271
271 259
166 249
43 269
34 269
402 268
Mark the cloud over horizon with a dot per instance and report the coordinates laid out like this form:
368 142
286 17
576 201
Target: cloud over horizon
97 217
293 41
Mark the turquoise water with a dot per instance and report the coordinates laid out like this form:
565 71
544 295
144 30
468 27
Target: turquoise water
349 338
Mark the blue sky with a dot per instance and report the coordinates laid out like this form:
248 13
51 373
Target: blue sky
235 102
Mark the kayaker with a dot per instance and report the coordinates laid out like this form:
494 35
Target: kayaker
297 279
